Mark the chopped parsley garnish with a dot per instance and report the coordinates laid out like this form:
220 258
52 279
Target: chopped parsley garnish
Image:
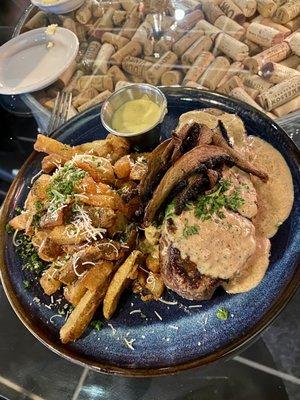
170 210
39 206
29 255
212 203
9 229
222 314
18 210
97 324
190 230
63 185
26 284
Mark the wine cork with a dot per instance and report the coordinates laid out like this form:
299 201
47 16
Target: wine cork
280 93
264 35
287 11
117 74
291 62
143 32
232 70
298 68
97 9
153 59
171 78
248 7
116 40
155 6
99 82
277 73
240 94
190 20
128 5
186 41
211 11
232 10
81 52
268 22
165 43
136 66
53 90
200 65
195 85
294 43
202 44
165 63
39 20
275 53
209 29
293 24
119 17
96 100
166 21
254 48
100 65
148 47
232 83
65 77
266 8
288 107
234 49
121 84
130 25
254 81
130 49
214 73
84 13
103 24
230 27
252 92
84 97
136 79
70 24
72 85
90 56
81 32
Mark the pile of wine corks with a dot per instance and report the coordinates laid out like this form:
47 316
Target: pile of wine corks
247 49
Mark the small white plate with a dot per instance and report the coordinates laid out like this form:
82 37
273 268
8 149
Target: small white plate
58 6
27 65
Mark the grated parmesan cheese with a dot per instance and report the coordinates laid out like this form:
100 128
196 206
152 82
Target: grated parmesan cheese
171 303
158 316
129 343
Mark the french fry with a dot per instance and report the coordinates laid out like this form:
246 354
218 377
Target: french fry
52 219
52 161
65 234
49 282
20 222
40 186
96 277
103 173
49 250
45 144
119 283
152 263
82 315
99 200
155 285
122 167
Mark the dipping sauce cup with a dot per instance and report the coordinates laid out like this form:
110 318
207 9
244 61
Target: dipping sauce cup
148 137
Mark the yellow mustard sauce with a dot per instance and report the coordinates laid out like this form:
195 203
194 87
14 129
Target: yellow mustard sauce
136 115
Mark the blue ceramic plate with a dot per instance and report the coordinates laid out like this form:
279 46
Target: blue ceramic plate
185 336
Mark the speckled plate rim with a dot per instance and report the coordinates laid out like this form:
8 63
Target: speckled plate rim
234 346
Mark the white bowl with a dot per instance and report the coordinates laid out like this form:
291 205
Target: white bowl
58 6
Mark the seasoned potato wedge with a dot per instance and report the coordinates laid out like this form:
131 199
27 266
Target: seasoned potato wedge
39 188
122 167
49 281
65 234
152 263
20 222
82 315
52 161
45 144
119 283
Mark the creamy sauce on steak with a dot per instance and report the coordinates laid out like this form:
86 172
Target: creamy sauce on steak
254 270
220 248
237 247
275 197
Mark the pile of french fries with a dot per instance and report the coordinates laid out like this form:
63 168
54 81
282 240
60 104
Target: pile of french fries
91 241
